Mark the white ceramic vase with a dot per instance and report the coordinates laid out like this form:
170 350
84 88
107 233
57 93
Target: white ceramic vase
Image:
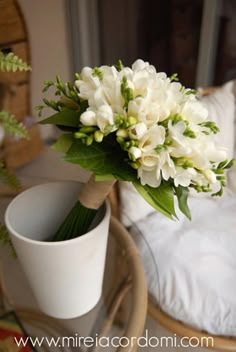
66 277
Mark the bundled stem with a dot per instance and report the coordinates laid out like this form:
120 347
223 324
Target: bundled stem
78 221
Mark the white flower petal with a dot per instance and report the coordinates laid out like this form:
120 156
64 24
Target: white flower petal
104 117
149 177
136 152
88 118
137 131
153 137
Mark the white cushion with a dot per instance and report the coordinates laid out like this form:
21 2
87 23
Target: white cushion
221 107
191 266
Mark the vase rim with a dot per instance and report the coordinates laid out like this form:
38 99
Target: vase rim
90 233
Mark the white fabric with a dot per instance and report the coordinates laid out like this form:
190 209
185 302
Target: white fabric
191 266
221 107
196 263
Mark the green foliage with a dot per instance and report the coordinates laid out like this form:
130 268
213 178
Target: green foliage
160 198
119 65
210 126
67 118
189 133
174 77
182 196
67 95
64 143
8 178
12 63
101 158
5 239
126 92
97 72
220 175
12 126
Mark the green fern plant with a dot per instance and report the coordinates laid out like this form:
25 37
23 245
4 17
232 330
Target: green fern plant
8 178
11 126
10 63
5 239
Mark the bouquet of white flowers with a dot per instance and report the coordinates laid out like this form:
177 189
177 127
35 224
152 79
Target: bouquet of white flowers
138 125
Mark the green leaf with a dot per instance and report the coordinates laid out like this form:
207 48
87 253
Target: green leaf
66 117
160 198
5 239
101 158
182 196
11 62
8 178
64 143
12 126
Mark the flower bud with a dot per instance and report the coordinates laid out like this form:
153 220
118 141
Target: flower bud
137 131
122 133
89 140
87 129
120 140
135 153
88 118
135 165
80 135
210 176
98 136
132 120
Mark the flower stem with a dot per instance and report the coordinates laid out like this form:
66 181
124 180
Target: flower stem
79 219
76 223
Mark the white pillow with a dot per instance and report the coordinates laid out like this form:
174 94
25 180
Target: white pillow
221 107
191 266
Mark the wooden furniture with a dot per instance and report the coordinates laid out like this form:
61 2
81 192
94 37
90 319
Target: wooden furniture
15 87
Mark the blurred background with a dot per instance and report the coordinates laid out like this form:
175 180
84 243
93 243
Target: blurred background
195 38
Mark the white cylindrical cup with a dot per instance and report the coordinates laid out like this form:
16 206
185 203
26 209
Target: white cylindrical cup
66 277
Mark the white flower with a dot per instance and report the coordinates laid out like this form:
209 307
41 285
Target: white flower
105 117
210 176
184 176
167 166
194 111
122 133
153 99
140 65
137 131
88 84
149 177
135 152
215 153
153 137
86 74
181 145
136 107
88 118
149 160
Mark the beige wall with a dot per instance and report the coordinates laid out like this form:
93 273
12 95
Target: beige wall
46 24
